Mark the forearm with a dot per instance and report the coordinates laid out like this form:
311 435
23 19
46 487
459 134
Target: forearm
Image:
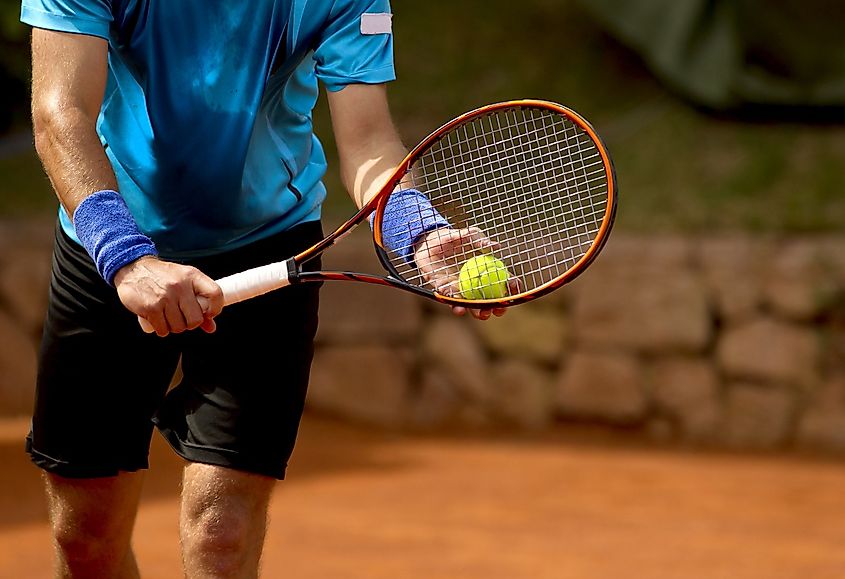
85 183
64 113
72 154
365 170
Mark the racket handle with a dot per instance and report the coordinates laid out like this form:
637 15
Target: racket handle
244 285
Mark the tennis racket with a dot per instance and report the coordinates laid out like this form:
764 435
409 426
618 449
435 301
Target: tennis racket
528 182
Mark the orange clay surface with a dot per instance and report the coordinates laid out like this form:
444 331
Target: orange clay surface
362 504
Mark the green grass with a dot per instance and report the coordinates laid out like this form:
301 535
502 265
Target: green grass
678 169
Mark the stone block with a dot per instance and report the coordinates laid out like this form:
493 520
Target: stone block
687 389
832 257
436 403
451 346
522 394
367 383
769 350
800 284
823 429
24 284
650 312
529 332
17 369
602 386
822 425
757 417
732 269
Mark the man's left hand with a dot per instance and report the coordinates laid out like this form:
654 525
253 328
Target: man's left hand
435 256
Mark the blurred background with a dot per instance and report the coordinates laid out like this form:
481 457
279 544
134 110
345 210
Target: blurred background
679 409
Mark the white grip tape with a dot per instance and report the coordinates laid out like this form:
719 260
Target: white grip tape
253 282
243 286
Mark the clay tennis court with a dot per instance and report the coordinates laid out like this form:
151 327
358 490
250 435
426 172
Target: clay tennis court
362 504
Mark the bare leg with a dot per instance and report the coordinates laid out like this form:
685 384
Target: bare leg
91 521
223 521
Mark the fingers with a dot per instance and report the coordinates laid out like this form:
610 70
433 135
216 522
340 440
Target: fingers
208 326
471 236
182 309
480 241
156 323
479 314
207 288
191 310
196 306
169 298
446 285
444 242
174 316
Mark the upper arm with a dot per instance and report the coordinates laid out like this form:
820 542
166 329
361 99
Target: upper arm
348 51
360 117
368 145
69 73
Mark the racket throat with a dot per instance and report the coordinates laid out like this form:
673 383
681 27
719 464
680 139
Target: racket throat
292 271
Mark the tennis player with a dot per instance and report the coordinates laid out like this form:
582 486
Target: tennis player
178 138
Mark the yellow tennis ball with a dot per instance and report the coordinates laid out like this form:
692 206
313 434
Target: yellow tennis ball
484 277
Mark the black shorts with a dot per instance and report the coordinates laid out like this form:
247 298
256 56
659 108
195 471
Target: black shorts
102 382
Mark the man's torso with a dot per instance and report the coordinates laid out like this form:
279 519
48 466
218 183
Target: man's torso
206 117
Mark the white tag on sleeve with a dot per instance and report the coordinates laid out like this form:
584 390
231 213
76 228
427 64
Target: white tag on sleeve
376 23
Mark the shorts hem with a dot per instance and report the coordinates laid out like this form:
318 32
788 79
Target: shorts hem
217 456
65 469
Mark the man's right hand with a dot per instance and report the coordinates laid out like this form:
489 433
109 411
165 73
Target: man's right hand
171 297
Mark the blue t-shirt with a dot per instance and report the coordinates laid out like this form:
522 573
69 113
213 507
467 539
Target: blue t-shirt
207 111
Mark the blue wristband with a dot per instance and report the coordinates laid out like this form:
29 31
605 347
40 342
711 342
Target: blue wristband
408 216
109 233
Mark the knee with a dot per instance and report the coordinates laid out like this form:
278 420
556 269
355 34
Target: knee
224 515
91 522
222 529
219 530
89 541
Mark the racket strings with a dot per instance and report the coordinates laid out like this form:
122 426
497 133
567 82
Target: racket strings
573 210
586 182
526 185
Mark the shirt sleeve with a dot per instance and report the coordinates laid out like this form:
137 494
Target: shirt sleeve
91 17
351 50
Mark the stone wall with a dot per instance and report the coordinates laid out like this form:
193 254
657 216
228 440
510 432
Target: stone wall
726 341
24 279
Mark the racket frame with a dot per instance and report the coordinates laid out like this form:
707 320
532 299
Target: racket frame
378 203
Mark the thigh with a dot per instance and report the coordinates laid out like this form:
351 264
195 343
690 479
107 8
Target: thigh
243 389
100 377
